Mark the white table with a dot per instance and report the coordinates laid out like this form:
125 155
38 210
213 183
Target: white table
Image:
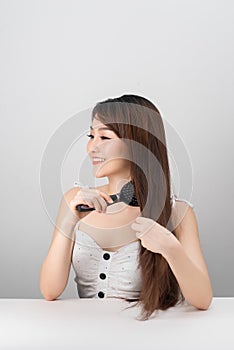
104 324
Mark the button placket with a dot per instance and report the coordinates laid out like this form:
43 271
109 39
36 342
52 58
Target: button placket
103 272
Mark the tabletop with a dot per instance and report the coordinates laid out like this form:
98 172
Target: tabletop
106 324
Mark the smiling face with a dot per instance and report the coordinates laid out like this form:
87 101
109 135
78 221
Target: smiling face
106 144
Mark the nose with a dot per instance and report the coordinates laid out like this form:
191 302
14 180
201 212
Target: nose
93 145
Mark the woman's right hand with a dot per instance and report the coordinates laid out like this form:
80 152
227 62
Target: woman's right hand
68 215
92 198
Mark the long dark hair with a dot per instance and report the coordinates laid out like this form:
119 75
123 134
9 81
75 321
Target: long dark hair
135 118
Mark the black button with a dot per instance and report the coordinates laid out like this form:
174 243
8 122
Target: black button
106 256
101 294
102 276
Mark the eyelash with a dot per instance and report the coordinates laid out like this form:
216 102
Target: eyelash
102 137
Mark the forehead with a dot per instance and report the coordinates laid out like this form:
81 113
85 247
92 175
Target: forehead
97 125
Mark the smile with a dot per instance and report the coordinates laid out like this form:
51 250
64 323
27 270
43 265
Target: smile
98 160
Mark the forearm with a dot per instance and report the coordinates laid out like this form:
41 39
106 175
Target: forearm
194 284
56 267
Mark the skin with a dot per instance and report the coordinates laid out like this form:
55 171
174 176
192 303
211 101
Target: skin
182 251
116 166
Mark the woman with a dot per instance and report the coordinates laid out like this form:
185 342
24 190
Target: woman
149 253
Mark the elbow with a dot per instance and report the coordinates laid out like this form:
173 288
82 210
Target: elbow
202 302
203 307
47 295
48 292
49 298
205 304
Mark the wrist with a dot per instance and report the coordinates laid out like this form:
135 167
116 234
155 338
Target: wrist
172 248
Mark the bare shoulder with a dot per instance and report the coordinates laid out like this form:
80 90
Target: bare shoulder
69 194
187 232
184 218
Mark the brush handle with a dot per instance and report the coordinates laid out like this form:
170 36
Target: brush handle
83 207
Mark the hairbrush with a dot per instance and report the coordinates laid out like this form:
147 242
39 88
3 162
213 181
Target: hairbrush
126 195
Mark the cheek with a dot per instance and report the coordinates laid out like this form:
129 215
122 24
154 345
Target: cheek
87 146
116 150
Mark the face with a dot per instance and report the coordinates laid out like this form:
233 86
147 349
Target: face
106 144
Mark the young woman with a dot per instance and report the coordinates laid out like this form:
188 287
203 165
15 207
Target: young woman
149 253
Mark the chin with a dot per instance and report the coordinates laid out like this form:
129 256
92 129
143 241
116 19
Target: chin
102 172
98 174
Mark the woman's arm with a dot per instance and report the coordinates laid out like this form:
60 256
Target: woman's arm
194 283
186 261
182 252
56 266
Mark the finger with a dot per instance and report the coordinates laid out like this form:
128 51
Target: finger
106 197
140 234
143 243
136 227
141 220
97 205
88 202
103 204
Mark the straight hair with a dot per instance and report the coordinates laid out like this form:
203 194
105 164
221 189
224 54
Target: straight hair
138 121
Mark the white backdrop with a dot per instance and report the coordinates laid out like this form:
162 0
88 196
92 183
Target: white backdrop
61 57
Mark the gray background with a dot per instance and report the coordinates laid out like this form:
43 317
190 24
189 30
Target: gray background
61 57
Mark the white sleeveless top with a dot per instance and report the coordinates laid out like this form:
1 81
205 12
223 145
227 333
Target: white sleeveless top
101 274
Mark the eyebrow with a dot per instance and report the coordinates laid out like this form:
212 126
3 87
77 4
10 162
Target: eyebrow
103 128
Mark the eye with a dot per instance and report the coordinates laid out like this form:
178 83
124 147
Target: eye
102 137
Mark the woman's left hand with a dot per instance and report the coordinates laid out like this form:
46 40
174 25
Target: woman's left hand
153 236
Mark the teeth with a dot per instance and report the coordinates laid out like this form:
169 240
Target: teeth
98 159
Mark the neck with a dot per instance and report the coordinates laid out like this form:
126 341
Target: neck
115 184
